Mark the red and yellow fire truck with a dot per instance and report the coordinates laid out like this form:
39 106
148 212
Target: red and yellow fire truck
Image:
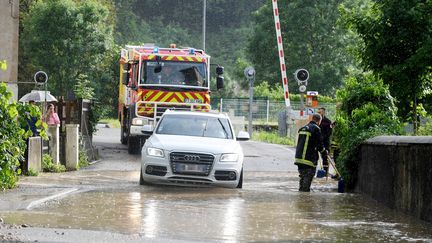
154 79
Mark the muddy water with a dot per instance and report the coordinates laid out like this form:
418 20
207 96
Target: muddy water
267 209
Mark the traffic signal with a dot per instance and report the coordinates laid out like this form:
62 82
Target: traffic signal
302 76
40 77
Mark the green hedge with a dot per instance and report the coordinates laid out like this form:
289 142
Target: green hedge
13 118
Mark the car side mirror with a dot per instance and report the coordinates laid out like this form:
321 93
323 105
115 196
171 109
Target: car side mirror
243 136
147 130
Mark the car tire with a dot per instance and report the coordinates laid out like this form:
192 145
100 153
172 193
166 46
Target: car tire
240 183
141 180
134 145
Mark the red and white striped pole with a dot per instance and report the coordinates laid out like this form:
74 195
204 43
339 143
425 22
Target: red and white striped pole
281 53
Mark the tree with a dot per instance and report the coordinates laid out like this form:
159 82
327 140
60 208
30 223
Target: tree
67 38
367 110
397 46
312 40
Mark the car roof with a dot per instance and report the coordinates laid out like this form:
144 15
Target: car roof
197 113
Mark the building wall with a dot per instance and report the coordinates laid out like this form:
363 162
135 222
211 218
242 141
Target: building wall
9 21
397 171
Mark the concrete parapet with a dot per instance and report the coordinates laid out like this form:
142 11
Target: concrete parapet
54 142
72 148
34 161
396 170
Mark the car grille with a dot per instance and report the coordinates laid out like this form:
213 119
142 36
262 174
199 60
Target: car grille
183 163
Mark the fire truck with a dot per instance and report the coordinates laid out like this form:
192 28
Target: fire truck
154 79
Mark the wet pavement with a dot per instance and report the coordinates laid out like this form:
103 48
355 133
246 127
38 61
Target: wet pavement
106 197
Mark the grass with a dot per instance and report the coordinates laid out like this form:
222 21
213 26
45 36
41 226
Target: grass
49 166
112 122
83 160
31 172
271 137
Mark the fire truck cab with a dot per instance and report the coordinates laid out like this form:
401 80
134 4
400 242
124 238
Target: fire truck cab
154 79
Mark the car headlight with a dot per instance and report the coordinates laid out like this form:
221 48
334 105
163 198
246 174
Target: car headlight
229 158
137 121
155 152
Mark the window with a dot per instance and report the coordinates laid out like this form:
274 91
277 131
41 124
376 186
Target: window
199 126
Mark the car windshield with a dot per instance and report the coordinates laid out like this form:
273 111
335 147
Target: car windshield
198 126
174 74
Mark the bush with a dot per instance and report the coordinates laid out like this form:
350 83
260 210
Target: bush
31 172
83 160
49 166
367 110
426 129
12 140
277 93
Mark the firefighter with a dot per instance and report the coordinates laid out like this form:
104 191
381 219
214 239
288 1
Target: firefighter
309 144
326 131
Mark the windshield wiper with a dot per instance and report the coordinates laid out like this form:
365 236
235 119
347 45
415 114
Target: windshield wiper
223 127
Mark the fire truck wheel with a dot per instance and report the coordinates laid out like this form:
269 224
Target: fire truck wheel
134 145
123 135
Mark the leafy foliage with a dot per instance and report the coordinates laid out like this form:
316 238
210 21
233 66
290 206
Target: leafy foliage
31 172
13 133
312 40
83 160
276 93
83 88
367 110
12 144
396 45
426 129
49 166
67 38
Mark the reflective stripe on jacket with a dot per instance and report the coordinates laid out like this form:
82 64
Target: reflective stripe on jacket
309 143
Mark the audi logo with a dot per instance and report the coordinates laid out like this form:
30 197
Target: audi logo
191 158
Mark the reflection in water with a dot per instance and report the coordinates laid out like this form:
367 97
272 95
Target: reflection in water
262 214
150 221
134 209
232 219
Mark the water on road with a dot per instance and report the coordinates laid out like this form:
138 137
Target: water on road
106 197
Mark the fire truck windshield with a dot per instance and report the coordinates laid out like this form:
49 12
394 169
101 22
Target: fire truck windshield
174 74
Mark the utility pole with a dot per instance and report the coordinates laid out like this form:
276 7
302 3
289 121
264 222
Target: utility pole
204 24
249 73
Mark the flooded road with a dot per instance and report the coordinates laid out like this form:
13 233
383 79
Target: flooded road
106 197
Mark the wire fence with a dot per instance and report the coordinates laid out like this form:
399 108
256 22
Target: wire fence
263 111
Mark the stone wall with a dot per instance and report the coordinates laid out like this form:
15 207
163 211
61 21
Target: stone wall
397 171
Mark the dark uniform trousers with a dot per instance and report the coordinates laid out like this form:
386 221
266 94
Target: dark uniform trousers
306 174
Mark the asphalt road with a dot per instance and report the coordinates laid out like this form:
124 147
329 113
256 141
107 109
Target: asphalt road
104 203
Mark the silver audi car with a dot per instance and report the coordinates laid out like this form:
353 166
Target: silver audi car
193 148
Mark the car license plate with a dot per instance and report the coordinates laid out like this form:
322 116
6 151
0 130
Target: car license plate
190 168
193 101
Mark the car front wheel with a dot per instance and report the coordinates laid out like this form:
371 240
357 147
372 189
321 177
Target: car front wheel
141 181
240 183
